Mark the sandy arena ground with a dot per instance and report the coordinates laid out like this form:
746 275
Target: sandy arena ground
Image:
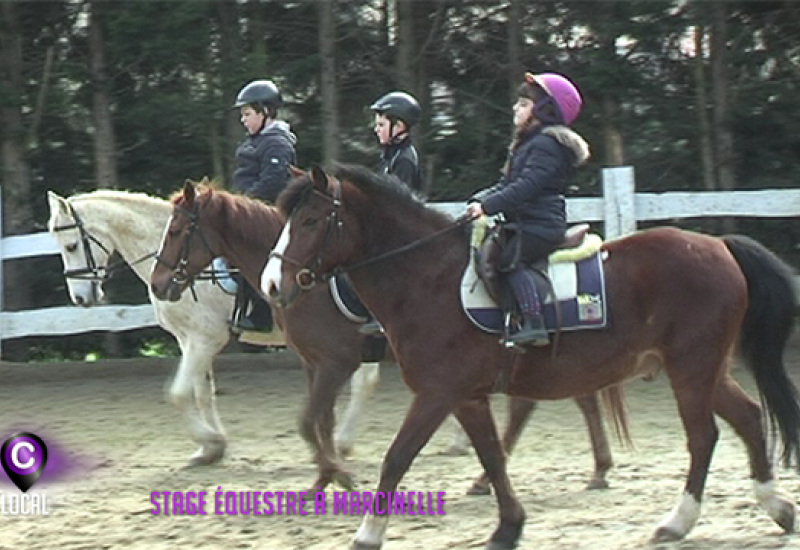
122 440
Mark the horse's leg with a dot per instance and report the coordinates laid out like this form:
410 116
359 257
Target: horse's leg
476 418
206 399
192 374
426 414
316 425
745 417
362 386
519 411
694 398
603 462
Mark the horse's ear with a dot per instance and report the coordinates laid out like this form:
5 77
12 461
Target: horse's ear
295 172
57 203
188 191
320 178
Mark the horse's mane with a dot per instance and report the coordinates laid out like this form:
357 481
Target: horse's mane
114 195
243 216
378 187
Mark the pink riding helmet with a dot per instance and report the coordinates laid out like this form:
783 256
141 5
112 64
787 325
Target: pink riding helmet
562 90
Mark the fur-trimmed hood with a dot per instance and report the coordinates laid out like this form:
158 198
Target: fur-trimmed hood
570 139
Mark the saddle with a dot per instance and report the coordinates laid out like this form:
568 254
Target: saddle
489 246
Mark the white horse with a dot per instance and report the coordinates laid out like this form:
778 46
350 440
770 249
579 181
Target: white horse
90 227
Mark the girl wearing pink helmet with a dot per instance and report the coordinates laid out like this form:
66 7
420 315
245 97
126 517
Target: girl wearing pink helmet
529 196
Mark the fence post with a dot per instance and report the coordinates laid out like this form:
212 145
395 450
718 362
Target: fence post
618 201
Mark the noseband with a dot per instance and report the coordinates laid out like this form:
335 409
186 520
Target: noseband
92 272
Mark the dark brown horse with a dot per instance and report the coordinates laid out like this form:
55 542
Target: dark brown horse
207 223
678 300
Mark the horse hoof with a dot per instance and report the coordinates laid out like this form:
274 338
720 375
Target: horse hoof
663 534
206 457
479 489
363 546
786 518
344 479
596 483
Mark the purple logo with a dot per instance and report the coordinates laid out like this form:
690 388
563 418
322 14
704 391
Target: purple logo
24 456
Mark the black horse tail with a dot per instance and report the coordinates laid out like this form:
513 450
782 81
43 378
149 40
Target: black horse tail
768 322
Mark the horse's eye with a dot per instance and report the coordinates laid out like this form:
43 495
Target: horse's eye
310 222
72 247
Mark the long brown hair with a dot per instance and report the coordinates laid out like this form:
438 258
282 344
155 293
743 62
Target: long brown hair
528 90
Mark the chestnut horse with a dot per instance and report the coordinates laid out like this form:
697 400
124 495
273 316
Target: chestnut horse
677 300
208 222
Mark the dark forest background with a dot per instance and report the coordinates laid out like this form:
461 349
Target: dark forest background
136 95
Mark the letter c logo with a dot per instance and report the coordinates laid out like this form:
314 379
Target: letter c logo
15 455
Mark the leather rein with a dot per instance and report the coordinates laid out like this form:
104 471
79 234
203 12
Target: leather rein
307 277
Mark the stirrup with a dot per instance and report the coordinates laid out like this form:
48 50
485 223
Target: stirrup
532 332
371 328
532 337
247 324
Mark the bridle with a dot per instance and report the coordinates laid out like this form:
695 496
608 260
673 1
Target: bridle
180 273
92 272
307 276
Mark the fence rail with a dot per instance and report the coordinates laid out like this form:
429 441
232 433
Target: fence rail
619 209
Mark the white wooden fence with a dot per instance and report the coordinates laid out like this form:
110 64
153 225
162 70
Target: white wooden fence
620 209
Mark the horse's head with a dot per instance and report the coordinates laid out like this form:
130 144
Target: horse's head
85 251
184 251
313 242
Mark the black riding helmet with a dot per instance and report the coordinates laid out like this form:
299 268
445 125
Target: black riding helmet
263 94
398 106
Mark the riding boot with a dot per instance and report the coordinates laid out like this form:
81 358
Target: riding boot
260 317
533 330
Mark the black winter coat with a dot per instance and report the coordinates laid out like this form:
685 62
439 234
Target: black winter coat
531 195
402 161
263 160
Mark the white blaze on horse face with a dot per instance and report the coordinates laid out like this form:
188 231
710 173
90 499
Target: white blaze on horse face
161 243
271 276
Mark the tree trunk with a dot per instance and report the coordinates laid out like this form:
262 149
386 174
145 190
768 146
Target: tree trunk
406 50
612 137
105 147
230 82
328 87
515 68
16 185
722 115
701 104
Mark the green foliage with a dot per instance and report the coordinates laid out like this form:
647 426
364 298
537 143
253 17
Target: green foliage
174 67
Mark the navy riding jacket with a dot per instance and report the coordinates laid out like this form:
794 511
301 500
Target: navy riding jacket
263 160
531 195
